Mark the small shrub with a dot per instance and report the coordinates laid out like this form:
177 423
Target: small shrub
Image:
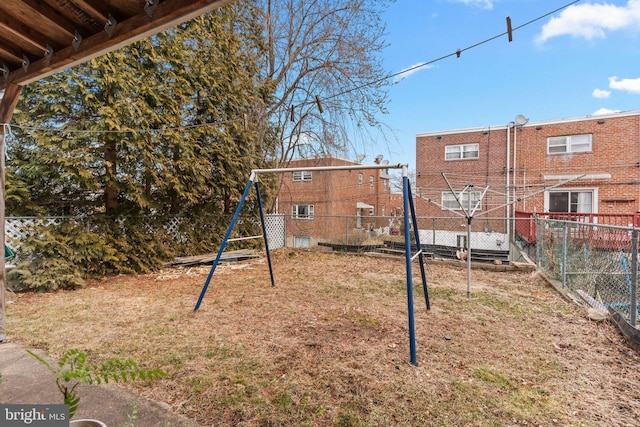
57 257
74 369
62 256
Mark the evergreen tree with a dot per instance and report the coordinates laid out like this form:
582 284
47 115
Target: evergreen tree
171 125
165 124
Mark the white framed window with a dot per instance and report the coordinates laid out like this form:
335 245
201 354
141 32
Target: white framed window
383 210
371 211
581 200
569 144
360 179
371 181
303 242
449 200
302 176
302 211
461 151
385 185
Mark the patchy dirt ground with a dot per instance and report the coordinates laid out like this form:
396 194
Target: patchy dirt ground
329 345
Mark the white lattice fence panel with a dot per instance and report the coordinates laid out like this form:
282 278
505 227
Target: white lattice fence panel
17 229
172 227
276 230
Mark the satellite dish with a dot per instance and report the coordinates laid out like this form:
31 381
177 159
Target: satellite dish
378 159
521 120
360 157
385 162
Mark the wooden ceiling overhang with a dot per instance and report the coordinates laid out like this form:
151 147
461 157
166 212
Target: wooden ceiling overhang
42 37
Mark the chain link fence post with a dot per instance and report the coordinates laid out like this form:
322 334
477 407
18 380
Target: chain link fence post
633 310
565 232
433 231
346 230
539 242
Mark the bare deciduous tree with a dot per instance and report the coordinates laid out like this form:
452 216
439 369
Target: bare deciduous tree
323 61
396 182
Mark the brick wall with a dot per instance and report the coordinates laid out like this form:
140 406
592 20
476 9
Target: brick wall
615 151
334 196
613 163
487 170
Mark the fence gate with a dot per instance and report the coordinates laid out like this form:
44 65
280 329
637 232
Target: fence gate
276 230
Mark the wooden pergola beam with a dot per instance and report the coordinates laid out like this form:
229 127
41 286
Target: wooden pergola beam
23 32
52 17
95 10
168 14
9 54
8 102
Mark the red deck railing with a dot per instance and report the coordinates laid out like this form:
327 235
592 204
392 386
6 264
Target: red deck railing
526 225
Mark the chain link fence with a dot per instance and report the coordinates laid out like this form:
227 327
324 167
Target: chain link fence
447 233
445 237
452 237
598 264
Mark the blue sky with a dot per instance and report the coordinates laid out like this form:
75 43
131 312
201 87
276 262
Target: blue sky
580 61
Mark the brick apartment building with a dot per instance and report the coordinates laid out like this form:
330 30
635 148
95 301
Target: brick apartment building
536 164
329 206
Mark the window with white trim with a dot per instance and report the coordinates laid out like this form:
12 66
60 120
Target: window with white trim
302 211
302 176
461 151
449 200
371 211
360 179
578 201
303 242
371 181
569 144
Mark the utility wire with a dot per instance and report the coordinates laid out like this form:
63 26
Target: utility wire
157 130
317 100
457 53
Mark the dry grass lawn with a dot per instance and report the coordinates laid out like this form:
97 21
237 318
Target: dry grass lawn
328 345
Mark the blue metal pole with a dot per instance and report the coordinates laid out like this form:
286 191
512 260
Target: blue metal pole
264 232
419 246
407 245
224 242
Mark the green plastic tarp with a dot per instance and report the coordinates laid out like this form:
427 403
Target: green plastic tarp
8 253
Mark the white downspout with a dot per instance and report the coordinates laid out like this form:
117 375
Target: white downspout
515 169
515 166
508 196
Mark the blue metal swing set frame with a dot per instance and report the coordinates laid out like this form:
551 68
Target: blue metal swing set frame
410 220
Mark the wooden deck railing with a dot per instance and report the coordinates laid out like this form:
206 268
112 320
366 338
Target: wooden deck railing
526 226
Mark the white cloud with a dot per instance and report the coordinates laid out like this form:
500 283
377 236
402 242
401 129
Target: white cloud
601 93
403 74
627 85
484 4
592 21
604 111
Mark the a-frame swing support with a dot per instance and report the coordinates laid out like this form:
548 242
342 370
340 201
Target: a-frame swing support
409 220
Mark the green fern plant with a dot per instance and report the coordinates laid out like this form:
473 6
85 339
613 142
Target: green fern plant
74 369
